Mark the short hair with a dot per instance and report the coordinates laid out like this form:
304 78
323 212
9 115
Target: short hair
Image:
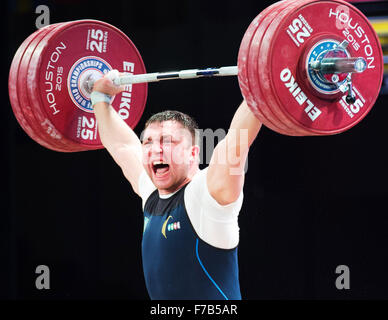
184 119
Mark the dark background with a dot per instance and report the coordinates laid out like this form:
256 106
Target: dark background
310 205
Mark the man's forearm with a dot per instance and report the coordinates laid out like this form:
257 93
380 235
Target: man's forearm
225 176
116 136
243 129
114 132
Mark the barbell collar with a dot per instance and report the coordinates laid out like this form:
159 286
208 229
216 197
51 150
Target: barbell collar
339 65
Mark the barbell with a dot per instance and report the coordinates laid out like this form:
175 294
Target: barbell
305 68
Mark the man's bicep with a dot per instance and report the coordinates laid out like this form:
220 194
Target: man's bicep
129 158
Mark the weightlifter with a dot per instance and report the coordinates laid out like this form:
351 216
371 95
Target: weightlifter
191 233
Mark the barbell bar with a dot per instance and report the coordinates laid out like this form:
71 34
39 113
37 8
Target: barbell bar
305 67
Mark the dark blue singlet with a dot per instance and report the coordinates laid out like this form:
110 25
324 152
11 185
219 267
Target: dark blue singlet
176 263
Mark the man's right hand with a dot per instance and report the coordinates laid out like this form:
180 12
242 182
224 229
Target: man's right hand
106 85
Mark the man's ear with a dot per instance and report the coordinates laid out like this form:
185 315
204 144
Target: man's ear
194 156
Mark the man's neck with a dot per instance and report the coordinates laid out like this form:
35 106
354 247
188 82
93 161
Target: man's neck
167 192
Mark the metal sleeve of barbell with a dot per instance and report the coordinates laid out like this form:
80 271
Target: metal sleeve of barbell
183 74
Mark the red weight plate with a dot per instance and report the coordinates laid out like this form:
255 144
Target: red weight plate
13 88
243 56
62 61
259 89
33 107
49 138
262 78
300 33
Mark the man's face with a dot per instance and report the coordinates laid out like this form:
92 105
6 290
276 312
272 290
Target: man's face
168 154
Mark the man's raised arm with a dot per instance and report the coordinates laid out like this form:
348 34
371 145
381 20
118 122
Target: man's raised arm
225 176
116 136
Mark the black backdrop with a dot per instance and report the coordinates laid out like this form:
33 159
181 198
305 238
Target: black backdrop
310 205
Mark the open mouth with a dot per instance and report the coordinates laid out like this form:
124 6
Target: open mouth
160 168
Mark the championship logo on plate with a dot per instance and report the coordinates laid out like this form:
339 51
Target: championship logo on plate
84 68
328 84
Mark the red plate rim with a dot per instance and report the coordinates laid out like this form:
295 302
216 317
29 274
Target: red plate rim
244 80
13 90
272 111
264 77
30 105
